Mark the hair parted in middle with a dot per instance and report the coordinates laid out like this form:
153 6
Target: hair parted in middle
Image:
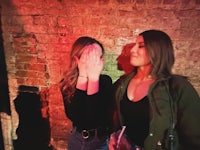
160 50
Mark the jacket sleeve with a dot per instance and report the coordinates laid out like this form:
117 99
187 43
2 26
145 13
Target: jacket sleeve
188 116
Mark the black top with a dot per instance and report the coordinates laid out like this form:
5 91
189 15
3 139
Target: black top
92 111
136 119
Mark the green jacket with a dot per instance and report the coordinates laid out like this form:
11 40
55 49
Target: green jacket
174 103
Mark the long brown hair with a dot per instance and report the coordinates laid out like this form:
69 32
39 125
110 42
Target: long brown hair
161 53
68 83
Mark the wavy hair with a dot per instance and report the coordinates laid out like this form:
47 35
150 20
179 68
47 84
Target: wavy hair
68 83
160 51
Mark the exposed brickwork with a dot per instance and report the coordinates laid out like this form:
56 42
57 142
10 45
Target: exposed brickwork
38 35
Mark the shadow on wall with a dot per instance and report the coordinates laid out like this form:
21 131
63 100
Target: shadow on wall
33 131
123 60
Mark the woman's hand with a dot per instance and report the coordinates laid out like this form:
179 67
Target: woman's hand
122 145
82 78
91 62
112 142
90 66
82 63
94 61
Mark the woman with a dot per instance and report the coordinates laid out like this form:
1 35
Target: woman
159 110
87 96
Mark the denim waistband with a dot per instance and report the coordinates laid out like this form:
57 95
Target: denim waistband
96 132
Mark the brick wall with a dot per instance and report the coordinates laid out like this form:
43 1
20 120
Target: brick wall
38 35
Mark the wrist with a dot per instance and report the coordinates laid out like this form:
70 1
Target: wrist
83 76
93 77
82 83
93 87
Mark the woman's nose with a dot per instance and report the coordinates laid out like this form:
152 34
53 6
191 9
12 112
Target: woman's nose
134 49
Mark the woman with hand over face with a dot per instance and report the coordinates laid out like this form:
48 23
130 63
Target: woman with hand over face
160 110
87 96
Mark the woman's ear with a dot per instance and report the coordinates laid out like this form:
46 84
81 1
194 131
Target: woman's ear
76 58
102 59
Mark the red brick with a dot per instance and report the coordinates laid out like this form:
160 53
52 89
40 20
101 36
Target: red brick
35 28
35 67
26 58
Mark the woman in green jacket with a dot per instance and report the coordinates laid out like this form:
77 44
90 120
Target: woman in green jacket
160 110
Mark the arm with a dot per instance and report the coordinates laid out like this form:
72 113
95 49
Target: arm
94 66
188 115
82 82
99 106
74 107
90 66
82 78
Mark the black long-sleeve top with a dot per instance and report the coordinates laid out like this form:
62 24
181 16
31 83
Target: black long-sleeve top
92 111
